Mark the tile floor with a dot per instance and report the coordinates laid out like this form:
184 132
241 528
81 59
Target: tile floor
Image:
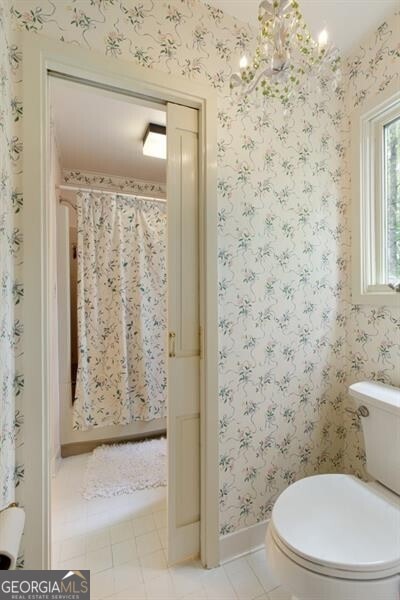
122 541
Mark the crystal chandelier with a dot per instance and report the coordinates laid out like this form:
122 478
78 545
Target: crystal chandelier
286 54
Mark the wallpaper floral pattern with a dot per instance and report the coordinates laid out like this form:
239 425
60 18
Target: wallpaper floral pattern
122 310
7 434
114 183
373 331
286 347
11 288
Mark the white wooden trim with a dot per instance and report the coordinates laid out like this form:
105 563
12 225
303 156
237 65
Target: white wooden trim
41 55
55 464
366 262
242 542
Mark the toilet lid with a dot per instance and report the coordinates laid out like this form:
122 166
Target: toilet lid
340 522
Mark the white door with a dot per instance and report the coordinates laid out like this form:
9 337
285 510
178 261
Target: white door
184 341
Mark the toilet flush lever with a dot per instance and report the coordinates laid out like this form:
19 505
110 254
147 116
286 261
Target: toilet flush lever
362 411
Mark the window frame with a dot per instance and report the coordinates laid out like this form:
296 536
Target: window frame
369 221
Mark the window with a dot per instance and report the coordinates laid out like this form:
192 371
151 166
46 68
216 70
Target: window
376 200
391 135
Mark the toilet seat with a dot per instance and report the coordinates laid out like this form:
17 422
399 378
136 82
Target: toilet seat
339 526
327 571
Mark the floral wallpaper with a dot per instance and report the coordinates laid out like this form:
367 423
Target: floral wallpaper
122 310
282 283
7 247
373 331
11 288
114 183
285 312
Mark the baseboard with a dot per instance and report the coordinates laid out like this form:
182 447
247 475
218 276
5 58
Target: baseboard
240 543
74 448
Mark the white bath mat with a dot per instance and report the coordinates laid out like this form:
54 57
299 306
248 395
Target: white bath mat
123 468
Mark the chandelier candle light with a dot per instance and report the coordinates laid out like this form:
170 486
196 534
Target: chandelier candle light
285 54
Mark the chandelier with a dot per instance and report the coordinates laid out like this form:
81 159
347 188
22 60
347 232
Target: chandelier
286 54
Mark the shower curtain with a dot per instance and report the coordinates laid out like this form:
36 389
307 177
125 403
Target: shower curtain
121 310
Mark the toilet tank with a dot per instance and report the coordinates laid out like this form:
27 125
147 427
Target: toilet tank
381 430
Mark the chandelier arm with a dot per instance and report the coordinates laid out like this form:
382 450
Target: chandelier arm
252 86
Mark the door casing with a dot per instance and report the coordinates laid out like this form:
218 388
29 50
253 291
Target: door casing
42 55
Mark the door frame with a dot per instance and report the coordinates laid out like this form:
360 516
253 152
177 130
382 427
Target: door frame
41 55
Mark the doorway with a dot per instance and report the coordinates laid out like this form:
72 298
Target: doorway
108 233
45 57
127 252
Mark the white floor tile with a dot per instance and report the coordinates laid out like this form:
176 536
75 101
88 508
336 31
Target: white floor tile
148 543
258 563
218 586
243 579
160 518
121 532
153 565
98 540
122 540
99 560
72 547
187 577
198 595
74 513
73 564
100 521
279 594
137 592
102 584
128 575
161 588
123 552
162 534
68 530
142 525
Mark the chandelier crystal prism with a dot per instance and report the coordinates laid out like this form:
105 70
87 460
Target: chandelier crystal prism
286 54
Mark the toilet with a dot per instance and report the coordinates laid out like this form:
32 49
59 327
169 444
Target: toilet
335 537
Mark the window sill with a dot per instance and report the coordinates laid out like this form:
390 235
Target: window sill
377 295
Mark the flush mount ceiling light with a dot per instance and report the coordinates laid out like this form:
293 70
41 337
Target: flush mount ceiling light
286 55
155 141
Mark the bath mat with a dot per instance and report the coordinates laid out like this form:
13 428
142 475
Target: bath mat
118 469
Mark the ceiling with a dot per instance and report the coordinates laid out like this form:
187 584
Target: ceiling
98 130
347 21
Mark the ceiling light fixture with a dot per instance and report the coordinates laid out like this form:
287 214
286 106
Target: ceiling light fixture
155 141
286 54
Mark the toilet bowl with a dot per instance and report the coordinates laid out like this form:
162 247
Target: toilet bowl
335 537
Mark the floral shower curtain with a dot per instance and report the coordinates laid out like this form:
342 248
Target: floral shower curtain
121 310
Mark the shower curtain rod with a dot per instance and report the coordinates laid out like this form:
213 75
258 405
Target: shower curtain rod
83 189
